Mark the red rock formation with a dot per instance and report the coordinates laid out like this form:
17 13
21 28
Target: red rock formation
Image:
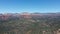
26 15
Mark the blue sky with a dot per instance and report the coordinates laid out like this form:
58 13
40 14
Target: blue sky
18 6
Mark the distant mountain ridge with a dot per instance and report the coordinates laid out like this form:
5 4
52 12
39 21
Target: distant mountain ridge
27 15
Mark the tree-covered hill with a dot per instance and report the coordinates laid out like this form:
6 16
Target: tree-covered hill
33 25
